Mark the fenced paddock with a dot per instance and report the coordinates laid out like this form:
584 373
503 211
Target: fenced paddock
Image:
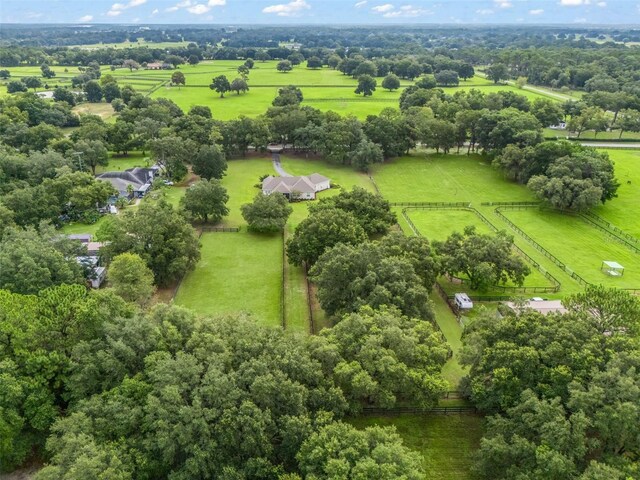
236 272
438 221
576 246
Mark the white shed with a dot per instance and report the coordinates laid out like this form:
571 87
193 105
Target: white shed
463 301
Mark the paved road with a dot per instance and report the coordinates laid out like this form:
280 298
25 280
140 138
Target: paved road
626 145
278 166
531 88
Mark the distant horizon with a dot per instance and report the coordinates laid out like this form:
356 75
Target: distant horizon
322 12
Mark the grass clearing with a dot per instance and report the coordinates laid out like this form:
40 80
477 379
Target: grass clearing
452 331
446 443
120 163
103 110
423 177
242 176
237 272
621 211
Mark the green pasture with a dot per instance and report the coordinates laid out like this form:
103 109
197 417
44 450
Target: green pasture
423 177
622 210
236 272
324 88
243 174
579 245
447 443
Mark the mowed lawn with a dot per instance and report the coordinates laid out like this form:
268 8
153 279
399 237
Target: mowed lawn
237 272
241 180
427 177
579 245
622 211
447 443
452 371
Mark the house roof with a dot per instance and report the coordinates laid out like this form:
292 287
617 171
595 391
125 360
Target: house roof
541 306
83 237
301 184
137 177
614 265
317 178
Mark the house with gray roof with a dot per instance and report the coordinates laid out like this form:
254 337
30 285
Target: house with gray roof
131 183
296 188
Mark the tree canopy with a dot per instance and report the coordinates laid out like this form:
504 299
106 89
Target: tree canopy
159 234
267 213
484 260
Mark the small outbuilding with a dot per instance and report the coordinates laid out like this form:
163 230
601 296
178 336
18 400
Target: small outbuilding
538 304
462 301
613 269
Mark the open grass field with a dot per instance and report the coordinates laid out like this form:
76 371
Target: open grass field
579 245
325 89
622 211
447 443
425 177
243 174
237 272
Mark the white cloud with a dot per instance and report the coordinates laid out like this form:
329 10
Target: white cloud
537 11
580 20
86 18
198 9
602 4
360 4
574 3
155 11
290 9
503 3
484 11
195 8
408 11
387 7
118 8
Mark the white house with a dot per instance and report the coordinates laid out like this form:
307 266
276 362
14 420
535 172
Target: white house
296 188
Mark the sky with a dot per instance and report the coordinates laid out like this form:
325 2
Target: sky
236 12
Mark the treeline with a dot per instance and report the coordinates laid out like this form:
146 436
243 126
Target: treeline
96 386
609 69
561 388
395 38
427 117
